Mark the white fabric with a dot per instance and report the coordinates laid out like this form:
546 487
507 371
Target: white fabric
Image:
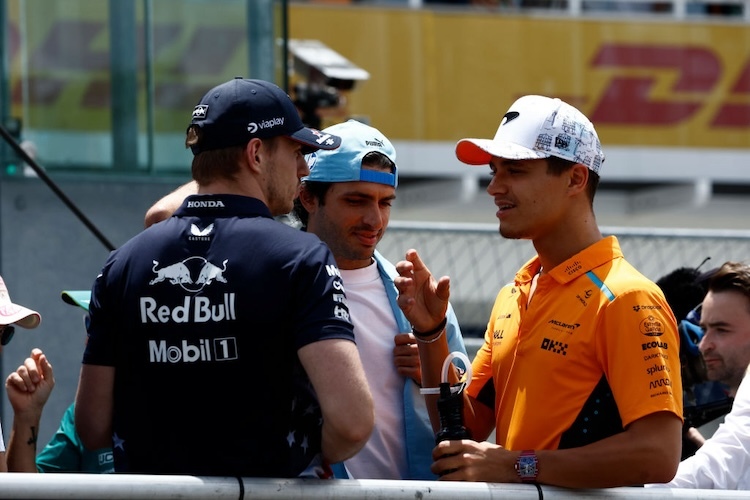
723 462
384 456
2 442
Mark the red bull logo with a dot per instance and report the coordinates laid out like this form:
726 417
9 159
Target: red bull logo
192 274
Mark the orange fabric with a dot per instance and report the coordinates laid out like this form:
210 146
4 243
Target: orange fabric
545 359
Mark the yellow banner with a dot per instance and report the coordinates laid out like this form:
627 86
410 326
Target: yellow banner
438 75
434 75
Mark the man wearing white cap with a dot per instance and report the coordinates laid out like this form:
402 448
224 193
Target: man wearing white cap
28 388
579 374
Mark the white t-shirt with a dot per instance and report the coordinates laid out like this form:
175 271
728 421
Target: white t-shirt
723 462
384 455
2 442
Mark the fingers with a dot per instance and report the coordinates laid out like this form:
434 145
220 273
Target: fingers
404 339
31 373
443 289
47 372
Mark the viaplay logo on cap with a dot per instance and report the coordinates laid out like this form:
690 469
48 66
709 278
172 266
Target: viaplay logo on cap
253 127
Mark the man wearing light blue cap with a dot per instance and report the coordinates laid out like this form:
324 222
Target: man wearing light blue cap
346 201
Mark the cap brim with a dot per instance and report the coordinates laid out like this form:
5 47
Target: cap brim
481 151
315 139
80 298
12 314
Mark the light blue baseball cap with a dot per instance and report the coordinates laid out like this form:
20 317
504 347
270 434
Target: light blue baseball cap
345 163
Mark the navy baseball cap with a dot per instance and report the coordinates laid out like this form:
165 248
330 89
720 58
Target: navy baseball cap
345 163
234 112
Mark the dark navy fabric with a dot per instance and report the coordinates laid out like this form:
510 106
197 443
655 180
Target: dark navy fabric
202 316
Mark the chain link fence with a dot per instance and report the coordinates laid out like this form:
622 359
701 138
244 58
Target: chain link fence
480 261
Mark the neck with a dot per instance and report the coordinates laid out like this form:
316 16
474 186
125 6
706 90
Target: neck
567 240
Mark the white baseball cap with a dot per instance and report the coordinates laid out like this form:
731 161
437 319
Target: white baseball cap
13 314
538 127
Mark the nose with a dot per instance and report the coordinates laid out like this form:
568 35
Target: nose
303 169
373 217
496 186
705 345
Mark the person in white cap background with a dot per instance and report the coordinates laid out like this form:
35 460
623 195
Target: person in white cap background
28 388
579 373
346 201
65 451
219 308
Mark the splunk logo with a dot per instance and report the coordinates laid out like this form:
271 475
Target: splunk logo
222 349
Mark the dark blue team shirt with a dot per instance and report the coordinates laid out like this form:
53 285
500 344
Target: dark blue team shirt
202 316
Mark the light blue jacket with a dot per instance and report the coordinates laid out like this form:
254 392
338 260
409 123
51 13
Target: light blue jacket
419 436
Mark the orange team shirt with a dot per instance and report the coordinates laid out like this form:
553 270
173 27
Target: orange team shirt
596 349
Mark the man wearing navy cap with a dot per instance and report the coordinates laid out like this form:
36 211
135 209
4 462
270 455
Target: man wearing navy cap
346 201
220 340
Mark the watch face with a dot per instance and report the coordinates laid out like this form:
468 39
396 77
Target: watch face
527 467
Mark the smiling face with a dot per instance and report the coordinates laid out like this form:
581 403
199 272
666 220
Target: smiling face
725 346
351 220
529 199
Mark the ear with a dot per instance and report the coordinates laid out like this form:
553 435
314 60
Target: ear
253 154
307 199
578 177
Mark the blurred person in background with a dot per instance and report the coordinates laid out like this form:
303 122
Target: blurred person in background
27 388
723 462
65 451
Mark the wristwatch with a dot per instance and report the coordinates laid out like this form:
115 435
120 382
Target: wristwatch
527 466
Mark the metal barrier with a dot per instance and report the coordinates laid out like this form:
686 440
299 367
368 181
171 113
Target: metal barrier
148 487
479 261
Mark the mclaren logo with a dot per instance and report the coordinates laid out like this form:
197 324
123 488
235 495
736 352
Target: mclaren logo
566 326
509 117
